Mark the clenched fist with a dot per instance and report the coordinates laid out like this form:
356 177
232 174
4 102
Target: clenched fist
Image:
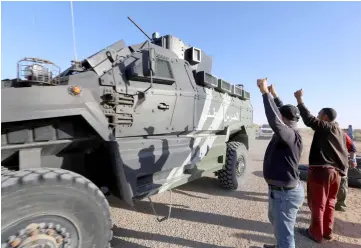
299 94
262 85
272 90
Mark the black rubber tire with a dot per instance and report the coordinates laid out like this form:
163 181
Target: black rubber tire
354 183
354 175
58 192
227 176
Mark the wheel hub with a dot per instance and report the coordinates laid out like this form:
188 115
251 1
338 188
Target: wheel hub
240 166
43 235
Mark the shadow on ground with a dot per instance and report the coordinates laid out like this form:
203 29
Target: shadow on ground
196 216
127 233
300 241
255 238
258 173
347 229
207 186
211 186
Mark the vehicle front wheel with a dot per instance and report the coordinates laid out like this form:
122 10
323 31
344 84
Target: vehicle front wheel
52 208
236 168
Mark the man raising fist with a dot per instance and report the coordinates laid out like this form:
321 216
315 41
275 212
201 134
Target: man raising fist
280 166
328 161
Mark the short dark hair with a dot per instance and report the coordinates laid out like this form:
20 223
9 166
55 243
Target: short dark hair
330 113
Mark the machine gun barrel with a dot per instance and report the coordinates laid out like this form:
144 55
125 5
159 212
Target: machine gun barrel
130 19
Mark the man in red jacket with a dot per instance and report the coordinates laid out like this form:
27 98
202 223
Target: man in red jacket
328 161
342 192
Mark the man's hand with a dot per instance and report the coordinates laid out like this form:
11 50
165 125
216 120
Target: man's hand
262 85
299 94
352 164
272 90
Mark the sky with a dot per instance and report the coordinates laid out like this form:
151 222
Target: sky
315 46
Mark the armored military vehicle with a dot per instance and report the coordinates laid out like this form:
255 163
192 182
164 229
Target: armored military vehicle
138 120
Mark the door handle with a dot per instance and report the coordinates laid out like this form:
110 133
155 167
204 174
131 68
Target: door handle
163 106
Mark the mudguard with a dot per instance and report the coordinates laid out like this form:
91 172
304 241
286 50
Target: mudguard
238 131
51 102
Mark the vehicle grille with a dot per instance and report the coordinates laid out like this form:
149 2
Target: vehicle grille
267 131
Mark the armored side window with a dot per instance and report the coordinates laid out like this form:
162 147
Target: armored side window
162 69
205 79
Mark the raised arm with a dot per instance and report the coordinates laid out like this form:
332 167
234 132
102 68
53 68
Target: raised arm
276 98
278 102
310 120
285 133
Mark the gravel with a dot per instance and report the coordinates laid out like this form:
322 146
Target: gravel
204 215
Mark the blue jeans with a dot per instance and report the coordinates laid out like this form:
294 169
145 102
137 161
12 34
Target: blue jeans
282 212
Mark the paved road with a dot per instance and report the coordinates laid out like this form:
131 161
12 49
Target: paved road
204 215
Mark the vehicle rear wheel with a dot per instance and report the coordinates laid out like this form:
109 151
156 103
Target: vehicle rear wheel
354 183
354 177
52 208
236 168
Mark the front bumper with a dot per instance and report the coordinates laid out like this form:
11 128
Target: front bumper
266 135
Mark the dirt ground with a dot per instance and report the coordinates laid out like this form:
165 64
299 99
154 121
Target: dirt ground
204 215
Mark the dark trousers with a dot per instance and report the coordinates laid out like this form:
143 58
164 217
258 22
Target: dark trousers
342 194
322 188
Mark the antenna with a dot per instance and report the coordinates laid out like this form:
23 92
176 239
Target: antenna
141 30
142 94
73 27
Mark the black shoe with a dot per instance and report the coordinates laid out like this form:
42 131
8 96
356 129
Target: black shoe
269 246
304 232
329 237
339 208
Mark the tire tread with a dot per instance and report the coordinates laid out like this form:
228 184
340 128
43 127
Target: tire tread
225 175
21 179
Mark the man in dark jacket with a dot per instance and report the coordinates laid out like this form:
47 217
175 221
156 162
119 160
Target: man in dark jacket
280 166
327 163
